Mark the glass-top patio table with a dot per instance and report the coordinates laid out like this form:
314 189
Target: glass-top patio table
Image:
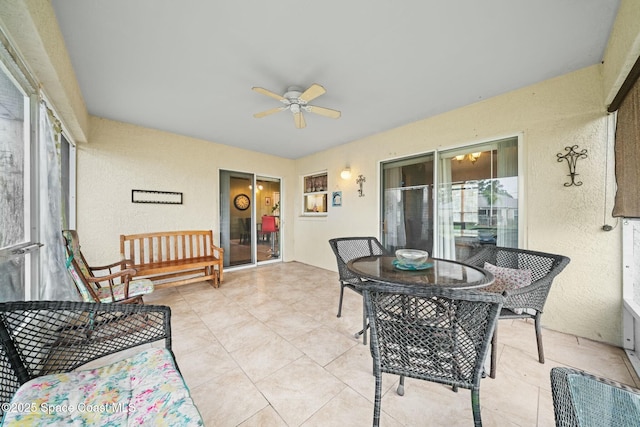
435 272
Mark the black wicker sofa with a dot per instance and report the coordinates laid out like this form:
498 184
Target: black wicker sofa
43 343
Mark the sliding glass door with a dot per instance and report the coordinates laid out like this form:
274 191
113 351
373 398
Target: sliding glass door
249 218
476 202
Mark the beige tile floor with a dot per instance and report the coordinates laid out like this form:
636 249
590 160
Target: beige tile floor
266 349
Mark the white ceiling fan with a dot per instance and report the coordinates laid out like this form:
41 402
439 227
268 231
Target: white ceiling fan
297 101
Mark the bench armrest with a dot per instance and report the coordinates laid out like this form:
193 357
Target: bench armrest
46 337
220 256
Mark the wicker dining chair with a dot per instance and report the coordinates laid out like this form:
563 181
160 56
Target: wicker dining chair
430 333
345 250
581 398
524 299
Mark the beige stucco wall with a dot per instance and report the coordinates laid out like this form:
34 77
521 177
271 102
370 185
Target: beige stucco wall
122 157
586 299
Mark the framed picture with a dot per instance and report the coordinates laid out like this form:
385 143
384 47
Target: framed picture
267 201
336 198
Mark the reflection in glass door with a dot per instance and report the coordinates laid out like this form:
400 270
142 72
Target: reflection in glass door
407 203
478 198
268 223
236 214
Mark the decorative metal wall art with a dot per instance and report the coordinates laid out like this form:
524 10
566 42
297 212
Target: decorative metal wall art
158 197
359 181
572 157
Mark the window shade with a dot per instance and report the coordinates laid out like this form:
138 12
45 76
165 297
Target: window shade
627 154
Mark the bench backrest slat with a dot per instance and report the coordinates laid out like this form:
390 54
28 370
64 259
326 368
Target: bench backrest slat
166 246
143 255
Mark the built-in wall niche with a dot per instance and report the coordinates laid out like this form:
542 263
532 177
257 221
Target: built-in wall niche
315 194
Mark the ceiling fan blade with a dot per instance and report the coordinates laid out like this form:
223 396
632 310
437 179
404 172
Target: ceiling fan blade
271 111
327 112
269 93
314 91
298 118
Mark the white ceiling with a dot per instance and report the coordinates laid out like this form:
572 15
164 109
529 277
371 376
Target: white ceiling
188 66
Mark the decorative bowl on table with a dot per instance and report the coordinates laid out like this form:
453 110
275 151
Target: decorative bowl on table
411 257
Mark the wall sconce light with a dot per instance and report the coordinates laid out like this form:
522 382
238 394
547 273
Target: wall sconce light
572 157
346 173
359 181
473 157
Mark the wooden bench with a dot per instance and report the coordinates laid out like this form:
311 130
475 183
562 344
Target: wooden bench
173 258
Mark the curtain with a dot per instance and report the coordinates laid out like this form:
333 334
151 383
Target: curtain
627 155
394 209
445 216
507 154
54 283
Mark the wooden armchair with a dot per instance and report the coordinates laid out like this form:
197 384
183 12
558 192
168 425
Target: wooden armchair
109 283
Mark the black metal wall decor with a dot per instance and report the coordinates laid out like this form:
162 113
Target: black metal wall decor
157 197
359 181
572 157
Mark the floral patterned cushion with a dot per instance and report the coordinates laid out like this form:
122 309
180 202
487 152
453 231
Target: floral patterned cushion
144 390
507 278
136 287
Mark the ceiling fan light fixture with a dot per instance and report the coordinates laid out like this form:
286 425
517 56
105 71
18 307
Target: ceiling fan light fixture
473 157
